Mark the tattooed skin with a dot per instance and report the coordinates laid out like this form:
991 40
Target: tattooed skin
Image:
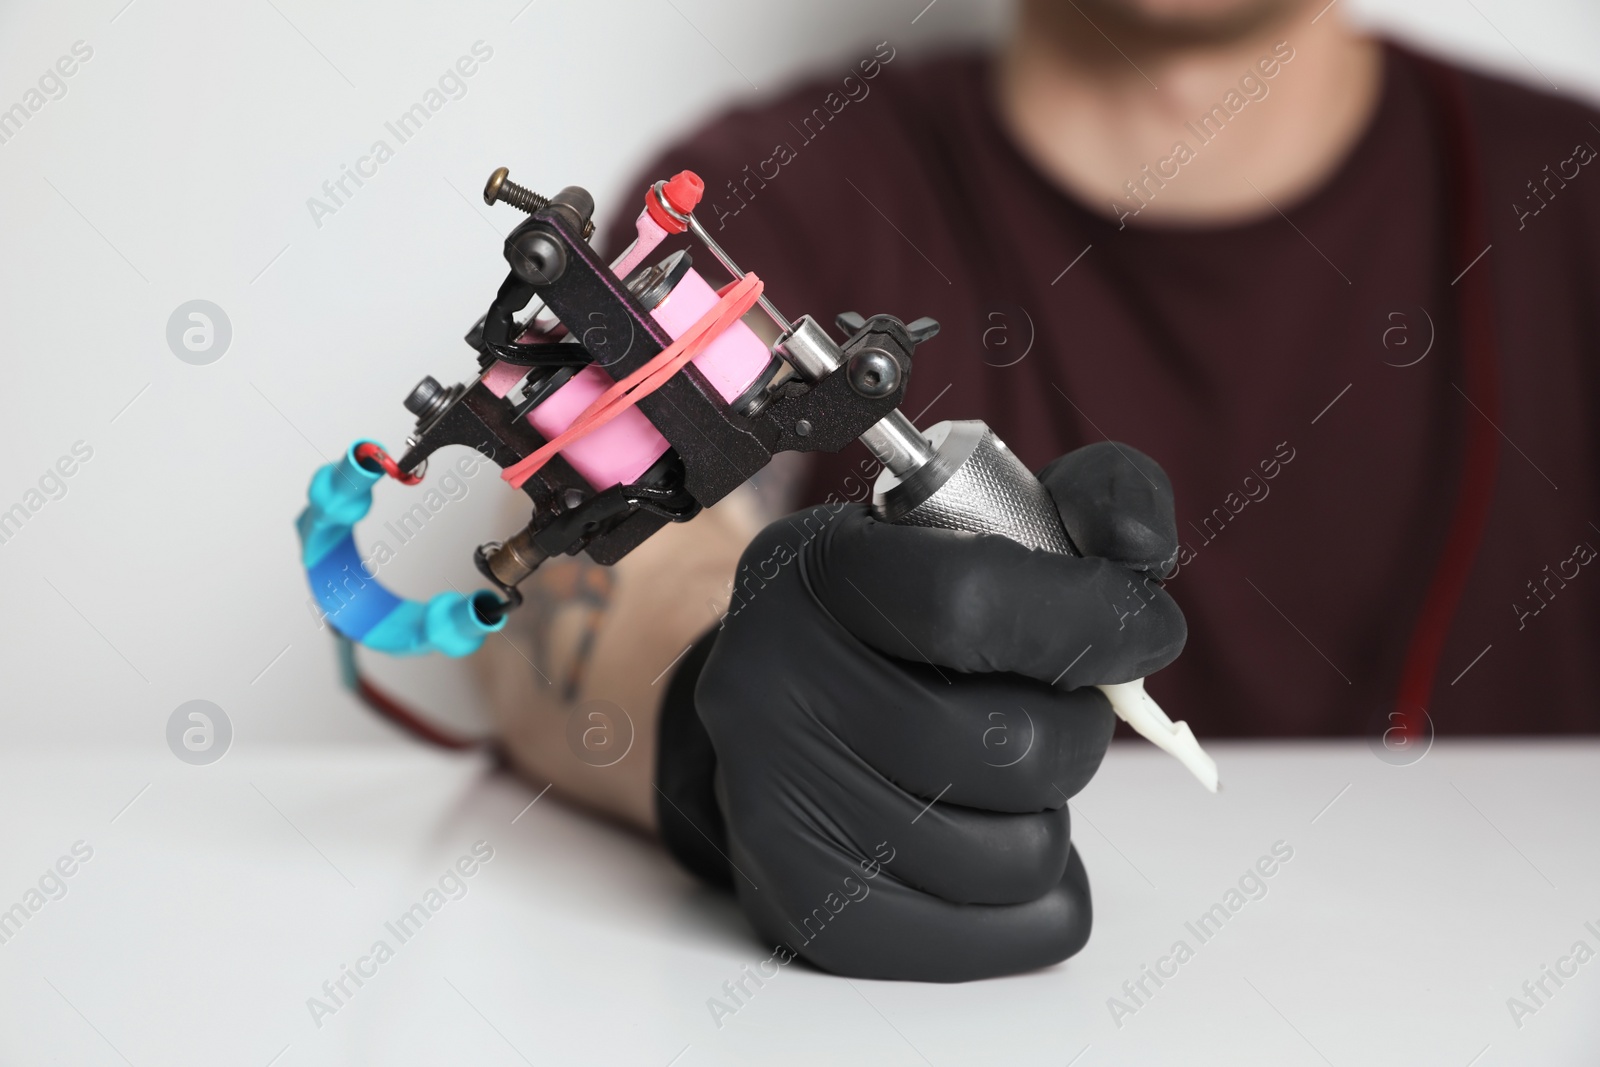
611 636
572 585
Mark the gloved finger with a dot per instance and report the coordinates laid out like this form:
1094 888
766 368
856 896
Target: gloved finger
824 905
790 778
997 743
959 854
1000 742
966 856
980 602
1116 503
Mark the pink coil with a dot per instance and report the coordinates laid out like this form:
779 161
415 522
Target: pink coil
624 448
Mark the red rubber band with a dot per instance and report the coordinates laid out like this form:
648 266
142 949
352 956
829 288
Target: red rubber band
737 299
368 450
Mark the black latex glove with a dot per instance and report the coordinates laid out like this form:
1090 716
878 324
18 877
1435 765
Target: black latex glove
899 716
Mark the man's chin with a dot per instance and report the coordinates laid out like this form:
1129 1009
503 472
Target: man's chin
1182 22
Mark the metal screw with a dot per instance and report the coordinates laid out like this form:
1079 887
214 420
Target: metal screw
426 398
500 187
873 373
803 428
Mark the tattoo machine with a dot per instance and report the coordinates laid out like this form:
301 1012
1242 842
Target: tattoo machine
628 396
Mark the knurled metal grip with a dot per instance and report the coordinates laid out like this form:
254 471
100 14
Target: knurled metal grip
974 483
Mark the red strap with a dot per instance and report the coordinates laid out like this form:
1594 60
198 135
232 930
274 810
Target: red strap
737 299
1475 495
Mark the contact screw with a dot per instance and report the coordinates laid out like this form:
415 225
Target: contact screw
501 188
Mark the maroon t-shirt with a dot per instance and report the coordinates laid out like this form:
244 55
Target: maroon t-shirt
1300 378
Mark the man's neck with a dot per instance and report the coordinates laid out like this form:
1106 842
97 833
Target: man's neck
1095 115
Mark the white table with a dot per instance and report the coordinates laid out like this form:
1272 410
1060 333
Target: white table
218 899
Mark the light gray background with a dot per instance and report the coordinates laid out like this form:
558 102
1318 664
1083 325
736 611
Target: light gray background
178 166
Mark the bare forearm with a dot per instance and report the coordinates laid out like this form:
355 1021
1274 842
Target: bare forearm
576 682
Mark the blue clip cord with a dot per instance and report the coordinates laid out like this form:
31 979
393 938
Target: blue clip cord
356 604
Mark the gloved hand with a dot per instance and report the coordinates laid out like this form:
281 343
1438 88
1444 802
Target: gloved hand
899 715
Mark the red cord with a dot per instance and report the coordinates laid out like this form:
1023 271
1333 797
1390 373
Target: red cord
1476 492
407 720
387 707
368 450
